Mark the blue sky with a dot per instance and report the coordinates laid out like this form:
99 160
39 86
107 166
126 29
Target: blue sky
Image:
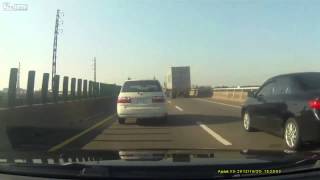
229 42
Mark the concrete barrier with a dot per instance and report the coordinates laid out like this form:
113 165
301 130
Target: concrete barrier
232 94
235 96
201 92
5 144
36 125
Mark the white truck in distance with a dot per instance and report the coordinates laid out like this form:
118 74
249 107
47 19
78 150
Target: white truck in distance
178 82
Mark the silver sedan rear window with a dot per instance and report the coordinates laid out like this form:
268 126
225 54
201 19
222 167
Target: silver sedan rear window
142 86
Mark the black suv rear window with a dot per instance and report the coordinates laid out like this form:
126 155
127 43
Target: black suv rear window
141 86
309 81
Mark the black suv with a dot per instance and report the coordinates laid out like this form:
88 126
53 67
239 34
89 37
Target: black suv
288 106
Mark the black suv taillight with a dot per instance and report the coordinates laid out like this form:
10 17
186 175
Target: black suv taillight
314 104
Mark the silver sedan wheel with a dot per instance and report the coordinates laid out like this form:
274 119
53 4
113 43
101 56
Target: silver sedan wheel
246 121
291 134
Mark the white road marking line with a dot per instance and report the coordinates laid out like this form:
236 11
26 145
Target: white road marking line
215 135
20 161
179 108
50 161
234 106
61 161
37 161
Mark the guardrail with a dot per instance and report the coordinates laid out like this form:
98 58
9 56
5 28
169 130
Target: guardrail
234 94
30 119
2 99
80 89
238 88
45 125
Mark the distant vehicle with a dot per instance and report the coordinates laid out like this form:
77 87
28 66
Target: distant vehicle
178 82
141 99
202 91
287 106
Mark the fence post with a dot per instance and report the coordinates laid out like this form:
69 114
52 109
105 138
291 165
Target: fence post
95 89
12 91
30 87
90 89
101 89
65 87
98 89
79 89
44 89
55 88
73 88
85 88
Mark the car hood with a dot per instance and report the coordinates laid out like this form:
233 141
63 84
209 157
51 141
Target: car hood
166 163
150 157
191 157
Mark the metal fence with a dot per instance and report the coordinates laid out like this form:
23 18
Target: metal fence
80 89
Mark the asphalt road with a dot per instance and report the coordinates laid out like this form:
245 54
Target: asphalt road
192 123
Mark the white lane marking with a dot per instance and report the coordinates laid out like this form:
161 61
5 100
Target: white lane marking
50 161
215 135
179 108
234 106
20 161
61 161
37 161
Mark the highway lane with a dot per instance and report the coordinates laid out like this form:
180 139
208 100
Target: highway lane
224 119
178 132
192 123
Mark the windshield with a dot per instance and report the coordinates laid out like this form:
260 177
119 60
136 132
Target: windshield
141 86
81 78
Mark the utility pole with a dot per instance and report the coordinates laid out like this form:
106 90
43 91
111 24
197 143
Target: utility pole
55 44
95 69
